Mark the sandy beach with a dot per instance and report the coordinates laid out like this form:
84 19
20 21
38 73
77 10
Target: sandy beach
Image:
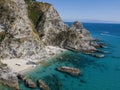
19 65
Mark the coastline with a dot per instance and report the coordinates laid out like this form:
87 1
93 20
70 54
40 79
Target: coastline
19 65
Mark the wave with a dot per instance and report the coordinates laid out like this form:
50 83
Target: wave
110 35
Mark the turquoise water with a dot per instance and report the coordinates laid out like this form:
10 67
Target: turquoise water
97 73
4 87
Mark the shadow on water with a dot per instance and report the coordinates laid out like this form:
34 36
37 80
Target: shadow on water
53 81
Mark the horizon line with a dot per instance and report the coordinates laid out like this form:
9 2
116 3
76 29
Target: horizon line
93 21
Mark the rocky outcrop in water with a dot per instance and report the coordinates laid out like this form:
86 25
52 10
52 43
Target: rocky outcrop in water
42 85
28 82
70 70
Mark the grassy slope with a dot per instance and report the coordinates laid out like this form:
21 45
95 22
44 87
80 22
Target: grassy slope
36 10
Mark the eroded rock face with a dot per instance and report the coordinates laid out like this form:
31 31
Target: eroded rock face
79 38
53 31
8 77
17 37
50 24
2 32
20 39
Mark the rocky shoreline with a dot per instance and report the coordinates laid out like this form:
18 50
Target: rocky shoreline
28 82
31 84
28 28
7 77
22 66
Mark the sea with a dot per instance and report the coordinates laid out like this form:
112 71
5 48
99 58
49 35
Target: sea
96 73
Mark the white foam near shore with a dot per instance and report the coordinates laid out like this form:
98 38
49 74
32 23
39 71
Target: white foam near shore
23 65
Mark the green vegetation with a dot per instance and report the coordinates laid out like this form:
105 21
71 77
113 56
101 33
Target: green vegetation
33 12
36 10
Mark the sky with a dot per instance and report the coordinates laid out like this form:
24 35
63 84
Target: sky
87 10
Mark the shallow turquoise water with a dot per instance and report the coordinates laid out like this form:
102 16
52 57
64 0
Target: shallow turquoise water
97 73
3 87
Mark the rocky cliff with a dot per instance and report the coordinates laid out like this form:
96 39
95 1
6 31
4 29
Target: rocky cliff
19 38
53 31
26 27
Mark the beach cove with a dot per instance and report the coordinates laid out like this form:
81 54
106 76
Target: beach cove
25 65
95 70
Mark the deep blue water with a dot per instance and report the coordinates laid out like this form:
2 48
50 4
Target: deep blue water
97 73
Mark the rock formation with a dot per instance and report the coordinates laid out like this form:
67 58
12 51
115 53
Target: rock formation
26 27
7 77
69 70
20 39
53 31
17 37
49 25
42 85
28 82
24 32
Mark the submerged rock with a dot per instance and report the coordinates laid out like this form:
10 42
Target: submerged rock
69 70
101 51
29 83
98 55
21 77
83 81
116 57
42 85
